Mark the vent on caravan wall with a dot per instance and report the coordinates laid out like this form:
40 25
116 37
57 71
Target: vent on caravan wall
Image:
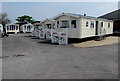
84 14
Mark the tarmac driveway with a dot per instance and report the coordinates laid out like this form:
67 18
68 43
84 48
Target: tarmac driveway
43 60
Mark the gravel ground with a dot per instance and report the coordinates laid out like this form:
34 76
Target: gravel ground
43 60
92 43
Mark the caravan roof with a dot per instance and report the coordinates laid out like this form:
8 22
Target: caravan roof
48 19
79 16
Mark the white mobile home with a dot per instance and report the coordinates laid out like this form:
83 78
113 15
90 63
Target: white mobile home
26 28
12 28
82 26
36 28
48 23
45 28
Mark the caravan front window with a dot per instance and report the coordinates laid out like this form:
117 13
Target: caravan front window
16 27
57 24
7 27
13 27
73 24
87 24
48 26
64 24
108 25
92 24
101 24
29 27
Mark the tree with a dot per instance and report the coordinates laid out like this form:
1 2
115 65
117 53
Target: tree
25 19
4 19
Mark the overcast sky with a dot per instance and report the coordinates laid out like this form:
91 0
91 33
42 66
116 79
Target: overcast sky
42 10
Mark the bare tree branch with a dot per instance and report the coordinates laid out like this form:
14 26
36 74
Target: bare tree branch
4 19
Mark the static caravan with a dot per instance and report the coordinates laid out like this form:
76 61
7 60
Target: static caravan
1 28
37 25
82 26
35 29
115 16
12 28
48 24
26 28
45 28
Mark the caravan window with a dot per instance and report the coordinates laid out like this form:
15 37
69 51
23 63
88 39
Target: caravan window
73 24
65 24
37 27
10 27
7 27
16 27
92 24
108 25
48 26
101 24
87 24
13 27
28 28
57 24
53 26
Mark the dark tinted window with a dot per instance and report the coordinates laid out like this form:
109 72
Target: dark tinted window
73 24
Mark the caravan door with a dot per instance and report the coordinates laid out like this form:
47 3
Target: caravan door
98 28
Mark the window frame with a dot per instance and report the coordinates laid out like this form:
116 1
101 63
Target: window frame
49 25
8 28
92 24
87 24
58 24
102 24
61 23
16 27
75 24
108 25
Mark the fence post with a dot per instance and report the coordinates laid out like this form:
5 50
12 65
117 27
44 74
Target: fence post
54 36
63 37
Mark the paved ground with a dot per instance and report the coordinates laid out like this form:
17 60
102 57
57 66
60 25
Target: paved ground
47 61
0 59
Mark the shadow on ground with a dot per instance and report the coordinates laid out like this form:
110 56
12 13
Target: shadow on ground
34 38
116 34
47 42
76 40
28 36
70 40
